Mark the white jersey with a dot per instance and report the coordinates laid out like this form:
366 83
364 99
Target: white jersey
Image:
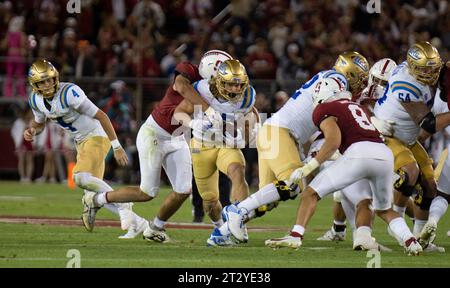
63 109
403 88
231 111
296 114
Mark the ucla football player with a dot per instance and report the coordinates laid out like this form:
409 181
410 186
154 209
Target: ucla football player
407 101
230 94
67 105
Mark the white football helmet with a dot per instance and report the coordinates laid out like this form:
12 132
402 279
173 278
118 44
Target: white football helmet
328 88
210 62
381 71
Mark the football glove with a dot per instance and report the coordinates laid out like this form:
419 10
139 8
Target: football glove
304 171
385 127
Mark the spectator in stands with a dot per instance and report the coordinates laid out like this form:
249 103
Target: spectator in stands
16 46
24 149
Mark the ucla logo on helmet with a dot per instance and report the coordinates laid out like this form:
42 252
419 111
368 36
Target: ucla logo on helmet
360 63
414 53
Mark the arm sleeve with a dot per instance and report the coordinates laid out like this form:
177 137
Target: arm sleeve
188 70
88 108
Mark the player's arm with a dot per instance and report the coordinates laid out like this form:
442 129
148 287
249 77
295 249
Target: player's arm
183 112
35 128
183 86
119 153
332 135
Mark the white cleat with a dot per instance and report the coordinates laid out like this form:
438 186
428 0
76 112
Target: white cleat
365 243
235 219
136 228
126 215
155 234
217 239
89 211
428 233
332 235
412 247
433 248
293 240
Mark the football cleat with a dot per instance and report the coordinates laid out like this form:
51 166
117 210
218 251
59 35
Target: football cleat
89 211
235 219
155 234
293 240
136 228
217 239
428 233
362 242
431 248
332 235
412 247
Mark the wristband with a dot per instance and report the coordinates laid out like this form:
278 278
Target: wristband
115 144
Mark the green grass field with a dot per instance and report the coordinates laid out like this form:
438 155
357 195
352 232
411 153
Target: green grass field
31 245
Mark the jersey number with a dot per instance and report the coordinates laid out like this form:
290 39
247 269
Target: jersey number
67 126
361 117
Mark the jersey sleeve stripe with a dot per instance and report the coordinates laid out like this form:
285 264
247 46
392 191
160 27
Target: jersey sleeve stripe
61 97
252 97
414 89
196 86
246 97
406 89
64 95
34 102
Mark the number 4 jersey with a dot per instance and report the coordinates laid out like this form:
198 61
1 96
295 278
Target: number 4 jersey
352 120
71 109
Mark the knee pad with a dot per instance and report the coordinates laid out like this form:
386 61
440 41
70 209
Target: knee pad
423 202
402 184
285 191
261 210
82 180
337 196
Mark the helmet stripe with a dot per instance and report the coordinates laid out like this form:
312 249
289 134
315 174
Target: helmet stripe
384 67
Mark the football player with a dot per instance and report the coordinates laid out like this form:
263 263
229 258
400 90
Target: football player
379 74
365 160
161 144
67 105
230 94
407 101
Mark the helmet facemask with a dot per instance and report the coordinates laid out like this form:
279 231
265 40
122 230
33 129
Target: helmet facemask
231 80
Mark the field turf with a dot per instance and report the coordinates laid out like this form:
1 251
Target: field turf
43 245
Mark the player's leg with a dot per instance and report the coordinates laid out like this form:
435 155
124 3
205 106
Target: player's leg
380 180
232 163
439 204
178 167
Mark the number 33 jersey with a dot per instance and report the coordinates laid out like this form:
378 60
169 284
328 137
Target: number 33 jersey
402 88
64 109
352 120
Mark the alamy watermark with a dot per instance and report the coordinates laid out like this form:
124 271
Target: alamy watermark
73 6
74 258
375 261
373 6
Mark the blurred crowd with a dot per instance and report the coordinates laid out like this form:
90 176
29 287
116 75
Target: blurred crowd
286 41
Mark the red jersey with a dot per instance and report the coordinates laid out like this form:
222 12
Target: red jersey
163 112
352 120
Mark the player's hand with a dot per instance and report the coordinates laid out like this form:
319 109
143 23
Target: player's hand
29 134
234 142
120 156
200 125
299 173
385 127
